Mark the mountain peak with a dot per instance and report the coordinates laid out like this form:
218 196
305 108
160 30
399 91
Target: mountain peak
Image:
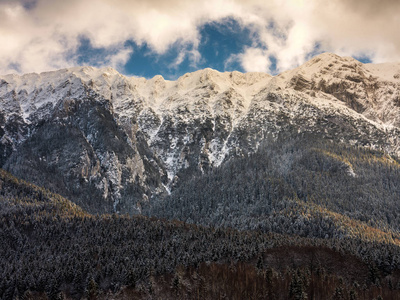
326 56
327 67
327 62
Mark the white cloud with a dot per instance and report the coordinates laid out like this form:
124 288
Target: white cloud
45 34
254 60
119 59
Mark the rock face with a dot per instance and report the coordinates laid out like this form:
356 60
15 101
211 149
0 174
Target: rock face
112 142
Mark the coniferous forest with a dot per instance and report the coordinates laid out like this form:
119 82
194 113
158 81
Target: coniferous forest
299 219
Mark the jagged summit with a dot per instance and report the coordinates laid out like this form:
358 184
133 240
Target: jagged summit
323 65
329 57
114 136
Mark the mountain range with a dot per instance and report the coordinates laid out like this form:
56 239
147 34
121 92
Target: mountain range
112 143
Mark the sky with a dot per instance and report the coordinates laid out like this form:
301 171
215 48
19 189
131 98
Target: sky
173 37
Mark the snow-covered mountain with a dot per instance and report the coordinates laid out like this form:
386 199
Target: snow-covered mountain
112 142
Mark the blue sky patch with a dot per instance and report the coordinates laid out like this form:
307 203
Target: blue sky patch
219 40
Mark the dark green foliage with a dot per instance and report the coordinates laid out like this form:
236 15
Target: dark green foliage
51 248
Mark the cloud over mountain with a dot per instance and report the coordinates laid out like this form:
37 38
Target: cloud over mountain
38 35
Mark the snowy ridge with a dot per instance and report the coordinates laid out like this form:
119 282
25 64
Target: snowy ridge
203 118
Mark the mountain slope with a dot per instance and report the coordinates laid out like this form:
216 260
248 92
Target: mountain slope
112 142
304 187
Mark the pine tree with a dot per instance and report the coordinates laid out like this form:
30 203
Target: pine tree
297 287
92 290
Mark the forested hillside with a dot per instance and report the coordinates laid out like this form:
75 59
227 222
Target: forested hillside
51 249
304 186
